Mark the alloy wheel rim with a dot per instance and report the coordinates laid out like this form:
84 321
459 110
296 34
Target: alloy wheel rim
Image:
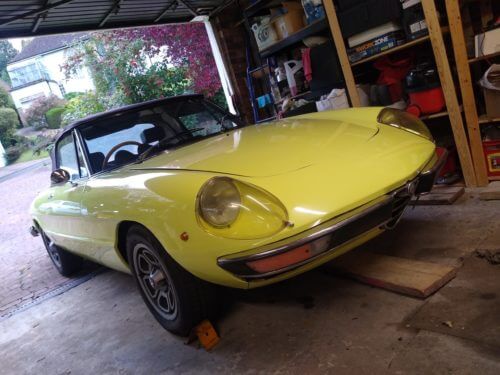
52 250
155 282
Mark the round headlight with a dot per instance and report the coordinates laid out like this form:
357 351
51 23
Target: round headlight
404 121
219 202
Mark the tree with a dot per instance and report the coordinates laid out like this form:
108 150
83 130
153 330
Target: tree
7 52
148 63
35 114
5 98
186 45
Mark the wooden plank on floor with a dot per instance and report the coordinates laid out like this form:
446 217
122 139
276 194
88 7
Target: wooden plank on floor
440 196
406 276
491 192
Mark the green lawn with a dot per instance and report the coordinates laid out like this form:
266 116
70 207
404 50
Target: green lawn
28 156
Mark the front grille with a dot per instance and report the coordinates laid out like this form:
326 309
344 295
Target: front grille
400 202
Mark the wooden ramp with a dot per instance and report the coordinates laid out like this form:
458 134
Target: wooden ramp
405 276
440 196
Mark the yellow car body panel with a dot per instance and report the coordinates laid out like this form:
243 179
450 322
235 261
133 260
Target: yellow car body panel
320 166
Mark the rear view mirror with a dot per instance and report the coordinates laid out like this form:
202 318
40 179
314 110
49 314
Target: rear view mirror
59 176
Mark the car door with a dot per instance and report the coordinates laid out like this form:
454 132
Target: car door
62 210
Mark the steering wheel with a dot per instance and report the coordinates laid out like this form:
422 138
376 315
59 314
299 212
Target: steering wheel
116 148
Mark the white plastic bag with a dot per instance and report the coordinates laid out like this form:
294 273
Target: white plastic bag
336 99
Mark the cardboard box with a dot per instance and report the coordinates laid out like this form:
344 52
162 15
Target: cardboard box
487 43
492 100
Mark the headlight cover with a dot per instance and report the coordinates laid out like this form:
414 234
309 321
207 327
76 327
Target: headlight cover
405 121
233 209
219 202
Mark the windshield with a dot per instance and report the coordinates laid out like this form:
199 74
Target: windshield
129 137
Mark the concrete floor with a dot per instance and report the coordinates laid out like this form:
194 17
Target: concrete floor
316 323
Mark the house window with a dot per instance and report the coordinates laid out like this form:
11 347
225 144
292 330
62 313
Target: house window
27 74
63 90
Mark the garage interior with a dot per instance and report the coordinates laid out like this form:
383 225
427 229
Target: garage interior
423 298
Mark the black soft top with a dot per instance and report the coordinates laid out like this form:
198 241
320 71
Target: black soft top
117 112
128 108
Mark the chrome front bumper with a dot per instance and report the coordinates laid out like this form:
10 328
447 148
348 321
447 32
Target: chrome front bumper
383 213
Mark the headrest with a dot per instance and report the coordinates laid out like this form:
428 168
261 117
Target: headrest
152 135
96 159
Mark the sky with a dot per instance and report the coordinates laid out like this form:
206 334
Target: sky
16 42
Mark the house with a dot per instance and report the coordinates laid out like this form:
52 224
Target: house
36 71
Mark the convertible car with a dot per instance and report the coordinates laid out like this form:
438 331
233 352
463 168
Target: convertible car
184 197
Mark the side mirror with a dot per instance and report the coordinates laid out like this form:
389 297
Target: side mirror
59 176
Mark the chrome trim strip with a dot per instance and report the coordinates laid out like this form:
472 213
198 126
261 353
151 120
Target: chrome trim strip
308 260
309 238
437 167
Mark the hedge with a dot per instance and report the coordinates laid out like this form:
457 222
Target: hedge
8 124
54 117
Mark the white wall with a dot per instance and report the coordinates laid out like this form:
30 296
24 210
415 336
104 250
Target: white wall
21 96
78 83
25 96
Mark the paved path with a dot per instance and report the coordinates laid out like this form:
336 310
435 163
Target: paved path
11 171
26 271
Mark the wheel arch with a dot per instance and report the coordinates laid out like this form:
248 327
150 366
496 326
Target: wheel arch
121 237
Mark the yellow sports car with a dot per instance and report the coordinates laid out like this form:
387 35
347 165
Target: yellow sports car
185 197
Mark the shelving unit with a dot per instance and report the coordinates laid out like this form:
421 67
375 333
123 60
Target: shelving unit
435 37
263 71
463 63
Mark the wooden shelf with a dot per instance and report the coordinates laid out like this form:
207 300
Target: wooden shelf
398 48
494 178
391 50
298 96
485 57
259 5
434 115
313 28
487 120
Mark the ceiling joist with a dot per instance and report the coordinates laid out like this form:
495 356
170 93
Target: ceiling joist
115 9
34 12
172 5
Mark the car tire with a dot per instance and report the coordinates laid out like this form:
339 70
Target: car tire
65 262
177 299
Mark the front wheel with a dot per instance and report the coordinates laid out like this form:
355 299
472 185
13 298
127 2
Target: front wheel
65 262
177 299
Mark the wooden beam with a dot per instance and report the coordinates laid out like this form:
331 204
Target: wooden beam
450 96
338 40
469 102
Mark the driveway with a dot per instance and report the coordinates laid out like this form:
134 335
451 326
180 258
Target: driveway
26 272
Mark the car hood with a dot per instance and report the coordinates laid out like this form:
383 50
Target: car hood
278 147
